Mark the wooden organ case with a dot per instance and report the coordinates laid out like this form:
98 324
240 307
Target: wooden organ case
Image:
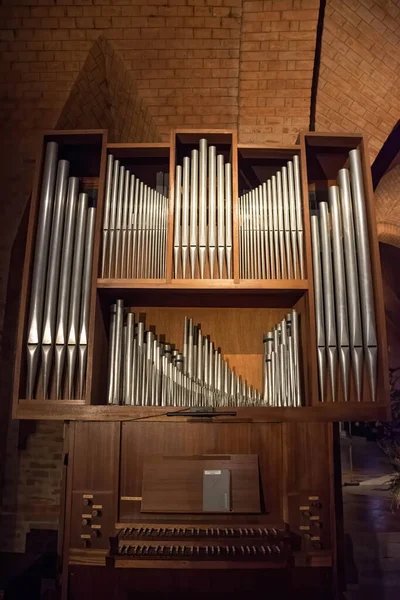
111 542
141 512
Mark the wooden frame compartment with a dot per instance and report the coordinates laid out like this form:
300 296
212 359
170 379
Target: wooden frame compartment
235 323
144 161
325 155
256 164
182 143
85 152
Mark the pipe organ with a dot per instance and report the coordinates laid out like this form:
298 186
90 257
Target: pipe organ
200 312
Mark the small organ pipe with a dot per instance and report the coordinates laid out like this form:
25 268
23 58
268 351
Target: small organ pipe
145 371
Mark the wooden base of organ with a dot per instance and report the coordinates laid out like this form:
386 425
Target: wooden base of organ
108 539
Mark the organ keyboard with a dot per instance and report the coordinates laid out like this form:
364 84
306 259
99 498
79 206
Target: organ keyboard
256 546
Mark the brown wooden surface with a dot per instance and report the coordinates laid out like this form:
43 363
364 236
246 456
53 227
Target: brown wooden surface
143 439
93 471
56 411
19 366
383 389
96 455
295 464
92 348
307 372
68 505
83 149
308 468
273 148
310 352
325 156
97 583
273 285
174 484
93 557
142 148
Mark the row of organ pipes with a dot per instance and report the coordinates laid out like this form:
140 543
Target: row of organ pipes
271 245
58 320
271 237
145 371
203 215
344 300
135 224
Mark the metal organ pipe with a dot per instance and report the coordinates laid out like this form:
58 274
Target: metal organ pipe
58 303
271 227
39 265
135 220
353 321
143 370
205 219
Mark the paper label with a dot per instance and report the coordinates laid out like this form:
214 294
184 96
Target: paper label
132 498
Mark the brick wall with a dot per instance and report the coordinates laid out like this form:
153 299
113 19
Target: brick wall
31 494
359 87
276 66
105 95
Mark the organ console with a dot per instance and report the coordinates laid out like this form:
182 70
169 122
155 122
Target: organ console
138 501
225 547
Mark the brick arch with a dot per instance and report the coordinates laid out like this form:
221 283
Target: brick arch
387 202
105 96
359 84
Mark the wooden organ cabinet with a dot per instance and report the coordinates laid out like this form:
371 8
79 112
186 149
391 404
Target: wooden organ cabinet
200 313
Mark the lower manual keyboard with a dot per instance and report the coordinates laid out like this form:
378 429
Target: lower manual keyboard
211 552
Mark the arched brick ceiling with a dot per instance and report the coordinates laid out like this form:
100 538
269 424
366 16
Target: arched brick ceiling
359 84
387 206
106 96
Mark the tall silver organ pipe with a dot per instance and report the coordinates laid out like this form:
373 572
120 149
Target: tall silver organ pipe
40 264
342 322
65 282
365 272
53 274
85 301
354 339
194 182
319 304
203 214
76 289
59 297
329 298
